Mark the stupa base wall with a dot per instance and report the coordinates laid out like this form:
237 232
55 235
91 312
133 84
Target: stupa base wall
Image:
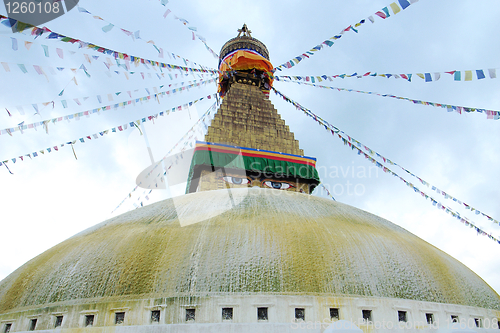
281 312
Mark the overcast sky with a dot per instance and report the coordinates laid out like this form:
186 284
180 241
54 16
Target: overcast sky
53 196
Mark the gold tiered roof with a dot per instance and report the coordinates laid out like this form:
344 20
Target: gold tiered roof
247 118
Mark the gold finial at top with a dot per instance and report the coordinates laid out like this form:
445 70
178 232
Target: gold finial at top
245 31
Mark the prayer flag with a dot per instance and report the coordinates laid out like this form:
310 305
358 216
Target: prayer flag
22 68
457 76
82 10
126 32
9 22
404 3
166 13
395 8
108 27
38 69
468 75
480 74
14 43
428 77
45 50
493 73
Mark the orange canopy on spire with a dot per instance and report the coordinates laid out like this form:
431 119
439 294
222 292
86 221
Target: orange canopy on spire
242 60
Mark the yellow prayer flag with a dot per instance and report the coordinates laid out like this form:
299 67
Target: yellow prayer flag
421 75
468 75
395 8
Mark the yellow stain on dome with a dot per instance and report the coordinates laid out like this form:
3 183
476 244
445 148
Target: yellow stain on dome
272 242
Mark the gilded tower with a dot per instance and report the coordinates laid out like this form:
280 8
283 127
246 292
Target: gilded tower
248 144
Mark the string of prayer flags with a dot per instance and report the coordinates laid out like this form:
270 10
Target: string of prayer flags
434 202
36 31
192 29
88 113
383 13
479 74
490 114
108 63
182 142
57 70
347 140
134 35
434 188
327 192
116 129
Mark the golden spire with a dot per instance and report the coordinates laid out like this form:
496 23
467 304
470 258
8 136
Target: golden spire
245 31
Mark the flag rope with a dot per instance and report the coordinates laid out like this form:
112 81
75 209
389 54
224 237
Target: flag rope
335 130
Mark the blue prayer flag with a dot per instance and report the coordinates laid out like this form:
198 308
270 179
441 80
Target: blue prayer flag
404 3
428 77
480 74
9 22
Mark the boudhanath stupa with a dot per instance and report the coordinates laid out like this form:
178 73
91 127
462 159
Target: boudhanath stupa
247 248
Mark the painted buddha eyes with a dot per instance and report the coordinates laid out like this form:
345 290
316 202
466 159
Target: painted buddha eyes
277 185
236 180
